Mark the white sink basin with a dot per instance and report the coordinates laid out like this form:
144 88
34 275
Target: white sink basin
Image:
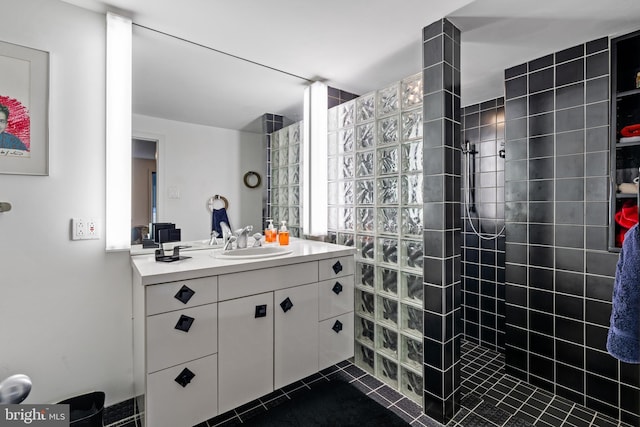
255 252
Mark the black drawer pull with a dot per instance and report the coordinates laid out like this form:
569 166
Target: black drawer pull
337 267
337 288
337 327
185 377
261 311
184 294
184 323
286 305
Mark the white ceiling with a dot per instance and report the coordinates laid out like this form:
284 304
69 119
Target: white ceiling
274 48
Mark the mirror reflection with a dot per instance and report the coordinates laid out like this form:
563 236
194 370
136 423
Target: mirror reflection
202 110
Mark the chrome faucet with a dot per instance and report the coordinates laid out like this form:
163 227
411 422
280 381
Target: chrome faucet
241 235
226 234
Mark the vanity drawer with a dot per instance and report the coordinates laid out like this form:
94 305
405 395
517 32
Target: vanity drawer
253 282
336 340
182 294
335 296
183 335
168 403
336 267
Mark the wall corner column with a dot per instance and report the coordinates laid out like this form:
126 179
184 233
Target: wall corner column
442 233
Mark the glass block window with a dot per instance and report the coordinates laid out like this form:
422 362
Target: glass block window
285 177
375 204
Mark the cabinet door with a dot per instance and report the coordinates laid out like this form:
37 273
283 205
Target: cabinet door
296 334
179 336
336 340
183 395
336 297
245 349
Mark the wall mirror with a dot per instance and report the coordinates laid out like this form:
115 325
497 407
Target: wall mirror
197 87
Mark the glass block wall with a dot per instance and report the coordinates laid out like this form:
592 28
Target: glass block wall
270 124
285 177
375 204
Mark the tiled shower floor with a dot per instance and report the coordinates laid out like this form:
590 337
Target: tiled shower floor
489 398
492 398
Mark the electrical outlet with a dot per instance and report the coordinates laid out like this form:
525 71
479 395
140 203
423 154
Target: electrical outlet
78 229
83 229
91 229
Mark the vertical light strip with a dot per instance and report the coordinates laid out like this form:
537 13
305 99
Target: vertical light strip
305 173
118 133
315 160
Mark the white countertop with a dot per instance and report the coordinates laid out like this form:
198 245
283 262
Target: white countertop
205 263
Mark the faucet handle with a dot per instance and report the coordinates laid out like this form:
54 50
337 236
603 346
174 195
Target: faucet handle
214 238
258 239
229 244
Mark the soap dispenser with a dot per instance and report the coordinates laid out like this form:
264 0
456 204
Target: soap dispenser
283 234
270 232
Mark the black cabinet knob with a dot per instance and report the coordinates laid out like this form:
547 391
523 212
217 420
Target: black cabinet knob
337 267
286 305
184 294
185 377
261 311
184 323
337 327
337 288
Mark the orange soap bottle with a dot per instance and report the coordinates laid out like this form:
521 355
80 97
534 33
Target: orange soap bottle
270 232
283 234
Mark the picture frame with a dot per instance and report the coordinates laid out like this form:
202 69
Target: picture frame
24 98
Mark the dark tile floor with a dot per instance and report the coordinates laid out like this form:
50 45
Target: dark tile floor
490 398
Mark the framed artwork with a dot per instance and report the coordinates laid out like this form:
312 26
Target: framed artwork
24 110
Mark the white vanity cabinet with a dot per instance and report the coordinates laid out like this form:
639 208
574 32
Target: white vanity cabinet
211 335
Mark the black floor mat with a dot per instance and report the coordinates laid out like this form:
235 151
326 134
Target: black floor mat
329 404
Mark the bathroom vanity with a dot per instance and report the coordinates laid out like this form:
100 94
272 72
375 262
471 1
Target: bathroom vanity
213 333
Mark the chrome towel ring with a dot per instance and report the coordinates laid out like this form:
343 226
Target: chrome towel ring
213 199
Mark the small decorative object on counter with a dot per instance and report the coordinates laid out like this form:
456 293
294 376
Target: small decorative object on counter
270 232
283 234
638 80
161 256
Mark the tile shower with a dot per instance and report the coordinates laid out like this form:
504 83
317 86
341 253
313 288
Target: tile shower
542 295
559 274
483 258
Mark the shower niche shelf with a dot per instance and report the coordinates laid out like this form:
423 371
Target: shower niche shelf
624 151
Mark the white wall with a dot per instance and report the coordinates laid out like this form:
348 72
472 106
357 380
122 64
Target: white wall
65 306
198 162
